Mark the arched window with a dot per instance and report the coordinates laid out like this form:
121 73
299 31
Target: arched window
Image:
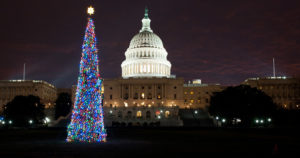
158 96
120 114
149 96
148 114
129 114
139 114
136 96
126 96
167 114
142 95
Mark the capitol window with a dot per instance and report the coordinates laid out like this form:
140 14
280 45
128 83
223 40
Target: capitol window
149 96
167 114
129 113
126 96
135 96
144 68
139 114
143 95
158 97
120 114
148 114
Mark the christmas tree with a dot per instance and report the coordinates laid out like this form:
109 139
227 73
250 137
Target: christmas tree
87 115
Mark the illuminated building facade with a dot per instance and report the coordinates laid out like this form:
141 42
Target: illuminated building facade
9 89
197 95
284 91
143 101
146 94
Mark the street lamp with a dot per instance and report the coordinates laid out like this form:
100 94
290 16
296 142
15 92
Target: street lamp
223 120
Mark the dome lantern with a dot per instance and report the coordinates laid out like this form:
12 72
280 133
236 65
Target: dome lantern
146 22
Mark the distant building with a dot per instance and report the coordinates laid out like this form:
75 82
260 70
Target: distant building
9 89
284 91
197 95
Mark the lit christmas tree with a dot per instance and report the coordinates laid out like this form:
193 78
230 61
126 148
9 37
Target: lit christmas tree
87 123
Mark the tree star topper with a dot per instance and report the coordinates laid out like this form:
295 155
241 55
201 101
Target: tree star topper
91 10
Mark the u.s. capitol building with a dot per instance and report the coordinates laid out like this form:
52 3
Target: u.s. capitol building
147 93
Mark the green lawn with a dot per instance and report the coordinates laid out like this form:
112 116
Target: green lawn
147 142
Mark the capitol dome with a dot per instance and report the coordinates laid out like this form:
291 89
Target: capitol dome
146 55
146 39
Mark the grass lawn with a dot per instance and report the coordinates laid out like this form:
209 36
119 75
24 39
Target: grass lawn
155 142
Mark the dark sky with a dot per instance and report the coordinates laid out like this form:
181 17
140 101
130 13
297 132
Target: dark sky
217 41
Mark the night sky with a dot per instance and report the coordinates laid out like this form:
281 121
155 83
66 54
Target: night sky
220 41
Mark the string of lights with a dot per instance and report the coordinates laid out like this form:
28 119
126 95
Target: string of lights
87 124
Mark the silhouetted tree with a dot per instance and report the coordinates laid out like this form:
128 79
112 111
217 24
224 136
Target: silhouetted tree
242 102
24 108
287 118
63 105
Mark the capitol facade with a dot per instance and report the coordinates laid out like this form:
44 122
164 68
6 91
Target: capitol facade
147 94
